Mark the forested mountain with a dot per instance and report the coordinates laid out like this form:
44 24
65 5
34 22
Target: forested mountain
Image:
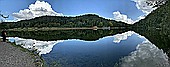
87 20
156 27
159 18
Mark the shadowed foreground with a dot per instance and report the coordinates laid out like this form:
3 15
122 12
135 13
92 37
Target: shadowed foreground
11 56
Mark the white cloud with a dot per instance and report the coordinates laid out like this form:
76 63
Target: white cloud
144 7
141 5
146 52
119 37
147 6
121 17
43 47
40 8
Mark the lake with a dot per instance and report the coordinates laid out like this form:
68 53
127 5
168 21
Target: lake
97 48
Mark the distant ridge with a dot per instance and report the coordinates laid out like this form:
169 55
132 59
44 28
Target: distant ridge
87 20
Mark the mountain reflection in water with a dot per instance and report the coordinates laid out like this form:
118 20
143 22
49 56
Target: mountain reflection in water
127 49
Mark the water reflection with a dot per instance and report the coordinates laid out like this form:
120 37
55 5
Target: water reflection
42 47
146 55
161 38
123 36
128 49
103 52
64 34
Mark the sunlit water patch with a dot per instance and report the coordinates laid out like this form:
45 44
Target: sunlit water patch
128 49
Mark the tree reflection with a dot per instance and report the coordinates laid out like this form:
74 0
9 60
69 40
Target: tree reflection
64 34
159 37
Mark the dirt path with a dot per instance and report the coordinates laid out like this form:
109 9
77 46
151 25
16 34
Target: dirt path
11 56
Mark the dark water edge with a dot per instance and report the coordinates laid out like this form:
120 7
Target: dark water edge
53 35
159 37
103 52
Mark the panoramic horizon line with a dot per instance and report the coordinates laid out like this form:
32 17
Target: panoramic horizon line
64 16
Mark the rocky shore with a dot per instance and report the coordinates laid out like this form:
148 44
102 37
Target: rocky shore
16 56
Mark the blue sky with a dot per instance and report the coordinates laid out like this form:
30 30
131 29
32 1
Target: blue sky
104 8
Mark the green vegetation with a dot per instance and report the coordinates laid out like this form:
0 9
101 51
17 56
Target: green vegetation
155 27
64 34
159 18
161 38
88 20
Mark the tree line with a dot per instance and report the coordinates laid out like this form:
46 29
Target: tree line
88 20
64 34
159 18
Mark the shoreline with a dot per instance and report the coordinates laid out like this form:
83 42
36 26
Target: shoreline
38 60
58 28
32 58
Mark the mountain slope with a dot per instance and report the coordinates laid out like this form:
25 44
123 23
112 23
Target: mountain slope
156 27
159 18
87 20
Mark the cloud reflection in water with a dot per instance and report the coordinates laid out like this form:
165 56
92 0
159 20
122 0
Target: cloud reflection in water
145 55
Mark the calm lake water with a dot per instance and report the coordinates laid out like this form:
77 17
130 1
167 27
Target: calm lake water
89 48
